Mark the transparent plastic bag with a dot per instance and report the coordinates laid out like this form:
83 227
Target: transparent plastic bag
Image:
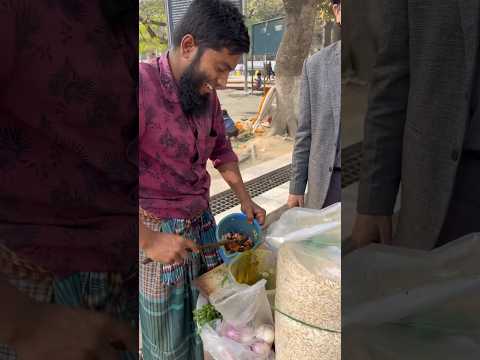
299 224
308 324
298 341
320 256
242 307
220 347
401 303
252 266
223 348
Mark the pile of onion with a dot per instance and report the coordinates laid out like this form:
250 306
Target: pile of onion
259 339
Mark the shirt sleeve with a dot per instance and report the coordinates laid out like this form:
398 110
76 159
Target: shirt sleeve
303 139
222 152
386 116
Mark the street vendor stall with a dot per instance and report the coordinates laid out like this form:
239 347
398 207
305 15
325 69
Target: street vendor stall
280 300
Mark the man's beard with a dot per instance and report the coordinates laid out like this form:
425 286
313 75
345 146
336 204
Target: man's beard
192 101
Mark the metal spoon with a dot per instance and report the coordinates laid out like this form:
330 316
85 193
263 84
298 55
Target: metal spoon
199 247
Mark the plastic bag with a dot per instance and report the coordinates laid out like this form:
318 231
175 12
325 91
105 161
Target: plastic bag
252 266
223 348
241 306
308 299
402 303
321 255
298 341
299 224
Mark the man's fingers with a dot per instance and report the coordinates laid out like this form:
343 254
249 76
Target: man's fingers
249 213
182 252
178 259
364 232
189 244
295 201
385 230
260 216
371 229
172 260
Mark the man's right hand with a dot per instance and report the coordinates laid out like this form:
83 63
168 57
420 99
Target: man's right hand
372 229
55 332
168 248
295 201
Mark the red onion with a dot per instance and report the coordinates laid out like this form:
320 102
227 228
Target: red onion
261 348
233 333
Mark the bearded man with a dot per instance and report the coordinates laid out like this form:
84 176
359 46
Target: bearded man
181 128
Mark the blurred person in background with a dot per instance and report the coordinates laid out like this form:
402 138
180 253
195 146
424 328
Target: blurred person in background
316 155
422 128
69 180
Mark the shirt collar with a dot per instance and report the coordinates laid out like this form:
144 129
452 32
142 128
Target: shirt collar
170 87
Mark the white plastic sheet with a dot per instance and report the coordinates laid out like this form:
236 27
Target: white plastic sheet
308 295
409 304
299 224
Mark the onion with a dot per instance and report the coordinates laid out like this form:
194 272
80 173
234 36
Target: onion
265 333
247 335
243 335
233 333
261 348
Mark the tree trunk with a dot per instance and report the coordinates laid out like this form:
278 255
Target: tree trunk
294 48
328 33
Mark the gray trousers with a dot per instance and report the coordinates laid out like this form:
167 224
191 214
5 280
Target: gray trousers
334 193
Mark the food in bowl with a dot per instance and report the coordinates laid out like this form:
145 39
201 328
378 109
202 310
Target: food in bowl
237 242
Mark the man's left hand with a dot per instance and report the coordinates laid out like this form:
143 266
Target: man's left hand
253 211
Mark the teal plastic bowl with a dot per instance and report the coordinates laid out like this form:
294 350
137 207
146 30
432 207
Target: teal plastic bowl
238 223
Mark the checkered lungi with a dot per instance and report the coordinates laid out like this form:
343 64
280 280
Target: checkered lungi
167 296
112 293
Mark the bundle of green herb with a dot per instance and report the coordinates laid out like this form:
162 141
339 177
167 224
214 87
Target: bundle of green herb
205 315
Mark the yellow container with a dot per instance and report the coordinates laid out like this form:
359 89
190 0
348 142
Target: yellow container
252 266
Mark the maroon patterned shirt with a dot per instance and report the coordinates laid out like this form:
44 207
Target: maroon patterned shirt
174 148
68 110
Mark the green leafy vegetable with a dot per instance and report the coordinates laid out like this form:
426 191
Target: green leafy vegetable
205 315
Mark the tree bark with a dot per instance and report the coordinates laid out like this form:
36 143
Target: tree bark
294 48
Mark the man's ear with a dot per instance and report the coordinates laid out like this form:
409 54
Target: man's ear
337 13
188 47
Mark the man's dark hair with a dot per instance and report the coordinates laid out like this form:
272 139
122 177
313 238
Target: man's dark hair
214 24
336 2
